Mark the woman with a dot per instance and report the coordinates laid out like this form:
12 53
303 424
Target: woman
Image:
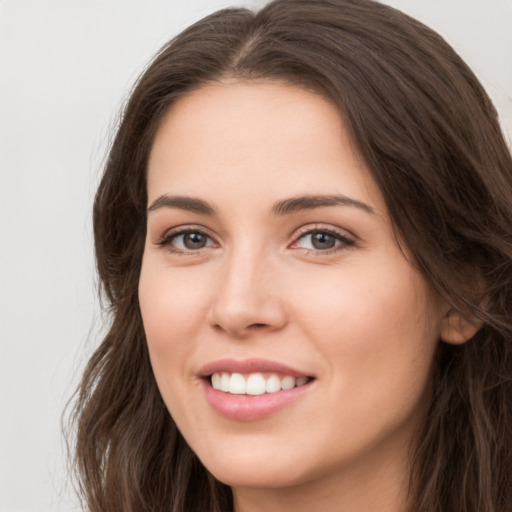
303 232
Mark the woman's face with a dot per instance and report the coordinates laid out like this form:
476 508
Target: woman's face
272 270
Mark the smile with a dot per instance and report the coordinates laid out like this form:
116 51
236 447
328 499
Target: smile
252 389
254 383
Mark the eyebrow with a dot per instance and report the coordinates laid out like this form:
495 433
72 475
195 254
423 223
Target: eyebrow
284 207
190 204
309 202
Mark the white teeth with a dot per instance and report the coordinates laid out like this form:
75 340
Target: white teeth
237 384
254 383
288 383
273 384
216 380
224 382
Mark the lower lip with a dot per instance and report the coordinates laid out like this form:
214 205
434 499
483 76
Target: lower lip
251 407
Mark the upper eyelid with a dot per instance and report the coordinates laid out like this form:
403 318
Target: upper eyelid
296 232
186 228
311 228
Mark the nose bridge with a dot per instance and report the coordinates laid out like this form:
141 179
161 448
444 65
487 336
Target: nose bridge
246 293
241 269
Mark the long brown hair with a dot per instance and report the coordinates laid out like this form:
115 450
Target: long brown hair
431 138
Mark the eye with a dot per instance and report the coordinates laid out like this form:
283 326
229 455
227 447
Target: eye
186 240
192 240
322 240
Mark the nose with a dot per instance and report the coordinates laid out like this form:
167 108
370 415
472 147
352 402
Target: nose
248 298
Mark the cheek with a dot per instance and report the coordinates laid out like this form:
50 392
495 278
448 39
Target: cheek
170 301
172 307
364 298
375 325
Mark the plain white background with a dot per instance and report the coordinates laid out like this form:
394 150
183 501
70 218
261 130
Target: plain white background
65 68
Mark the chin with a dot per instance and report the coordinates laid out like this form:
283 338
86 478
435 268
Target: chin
258 477
260 468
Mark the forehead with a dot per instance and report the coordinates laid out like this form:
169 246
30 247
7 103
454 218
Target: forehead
256 136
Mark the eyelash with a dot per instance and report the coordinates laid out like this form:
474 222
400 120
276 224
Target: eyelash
167 239
345 242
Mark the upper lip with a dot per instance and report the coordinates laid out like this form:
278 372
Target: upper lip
249 366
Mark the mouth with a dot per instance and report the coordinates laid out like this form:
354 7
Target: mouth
252 389
256 383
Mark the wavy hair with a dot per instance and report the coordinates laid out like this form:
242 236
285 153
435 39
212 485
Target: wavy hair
430 136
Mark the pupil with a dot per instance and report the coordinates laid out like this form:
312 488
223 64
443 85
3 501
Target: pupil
194 240
323 241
